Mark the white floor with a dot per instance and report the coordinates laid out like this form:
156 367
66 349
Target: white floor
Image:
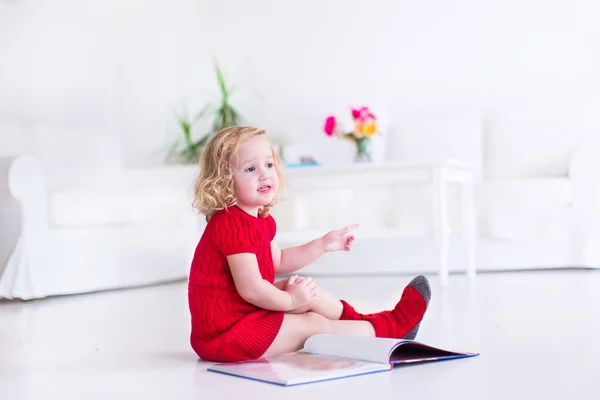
536 332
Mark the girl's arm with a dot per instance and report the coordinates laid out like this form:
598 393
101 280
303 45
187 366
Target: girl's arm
293 258
255 290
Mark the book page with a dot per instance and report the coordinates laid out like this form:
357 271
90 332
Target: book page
418 352
298 368
355 347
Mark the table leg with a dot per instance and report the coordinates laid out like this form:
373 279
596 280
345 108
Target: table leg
469 223
441 230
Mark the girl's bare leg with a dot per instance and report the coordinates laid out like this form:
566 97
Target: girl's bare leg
297 328
324 303
401 322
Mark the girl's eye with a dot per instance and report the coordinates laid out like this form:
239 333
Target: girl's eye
250 169
270 165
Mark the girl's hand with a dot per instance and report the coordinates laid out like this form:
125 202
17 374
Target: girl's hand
339 239
292 280
302 290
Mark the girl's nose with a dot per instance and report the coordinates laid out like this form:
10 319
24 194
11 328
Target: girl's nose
264 173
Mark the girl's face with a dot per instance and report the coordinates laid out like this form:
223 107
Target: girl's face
255 180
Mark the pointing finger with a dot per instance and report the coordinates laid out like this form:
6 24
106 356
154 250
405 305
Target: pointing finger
352 227
346 229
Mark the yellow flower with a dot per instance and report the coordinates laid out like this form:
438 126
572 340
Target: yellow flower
369 128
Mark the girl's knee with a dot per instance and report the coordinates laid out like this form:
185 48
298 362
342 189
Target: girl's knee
318 323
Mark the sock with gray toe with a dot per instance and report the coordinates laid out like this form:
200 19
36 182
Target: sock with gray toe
404 320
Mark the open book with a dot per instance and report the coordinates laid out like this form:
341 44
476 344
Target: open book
327 357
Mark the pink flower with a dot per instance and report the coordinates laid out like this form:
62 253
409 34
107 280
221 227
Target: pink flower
329 125
367 116
357 112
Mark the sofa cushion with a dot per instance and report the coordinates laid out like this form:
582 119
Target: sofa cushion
526 209
89 208
531 143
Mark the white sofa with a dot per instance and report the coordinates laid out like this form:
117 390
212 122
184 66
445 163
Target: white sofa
74 223
538 193
541 176
81 225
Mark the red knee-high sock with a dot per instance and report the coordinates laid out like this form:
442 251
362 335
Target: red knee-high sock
401 322
405 317
349 313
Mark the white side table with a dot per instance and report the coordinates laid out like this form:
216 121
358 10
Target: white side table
440 176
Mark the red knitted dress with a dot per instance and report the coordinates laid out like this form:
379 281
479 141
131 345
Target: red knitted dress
225 327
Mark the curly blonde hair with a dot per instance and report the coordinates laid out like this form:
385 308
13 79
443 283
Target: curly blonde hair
213 187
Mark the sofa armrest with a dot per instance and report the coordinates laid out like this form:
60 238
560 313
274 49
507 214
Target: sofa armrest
5 167
22 178
10 216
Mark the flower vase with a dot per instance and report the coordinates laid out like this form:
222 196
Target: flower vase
362 150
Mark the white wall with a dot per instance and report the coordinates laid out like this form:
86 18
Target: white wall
128 66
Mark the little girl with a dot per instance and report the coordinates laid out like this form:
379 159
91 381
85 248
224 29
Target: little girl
238 311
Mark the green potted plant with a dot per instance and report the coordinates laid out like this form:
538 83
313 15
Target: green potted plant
186 149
